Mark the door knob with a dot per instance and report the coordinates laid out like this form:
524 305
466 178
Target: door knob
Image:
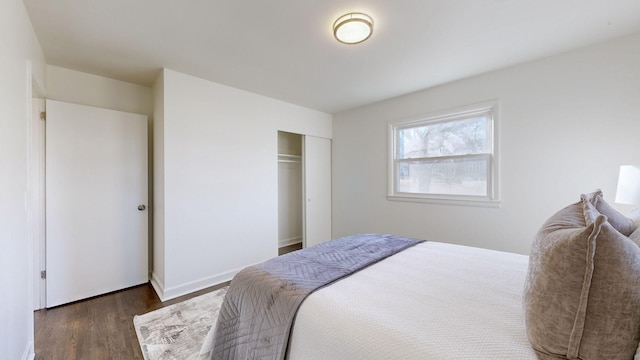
141 207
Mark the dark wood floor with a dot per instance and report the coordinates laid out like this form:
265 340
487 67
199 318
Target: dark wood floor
98 328
101 327
290 248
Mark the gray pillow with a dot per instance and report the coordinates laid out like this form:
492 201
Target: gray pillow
620 222
582 296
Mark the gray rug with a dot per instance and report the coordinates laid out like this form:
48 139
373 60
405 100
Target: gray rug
179 331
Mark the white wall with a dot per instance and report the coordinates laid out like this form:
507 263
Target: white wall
566 124
18 45
87 89
220 178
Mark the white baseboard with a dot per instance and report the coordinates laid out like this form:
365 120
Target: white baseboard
290 241
168 293
29 353
176 291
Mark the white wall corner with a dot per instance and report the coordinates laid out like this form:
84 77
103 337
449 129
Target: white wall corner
29 353
158 286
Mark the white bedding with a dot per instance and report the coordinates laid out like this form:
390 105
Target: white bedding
431 301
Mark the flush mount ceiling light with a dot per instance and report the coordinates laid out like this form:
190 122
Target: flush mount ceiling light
353 28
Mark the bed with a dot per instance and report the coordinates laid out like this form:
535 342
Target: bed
453 302
387 297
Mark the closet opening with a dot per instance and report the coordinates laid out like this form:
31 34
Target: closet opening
290 192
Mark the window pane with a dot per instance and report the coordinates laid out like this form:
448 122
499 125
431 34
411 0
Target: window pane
456 137
444 177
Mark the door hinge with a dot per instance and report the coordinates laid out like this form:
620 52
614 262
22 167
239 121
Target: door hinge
43 115
43 274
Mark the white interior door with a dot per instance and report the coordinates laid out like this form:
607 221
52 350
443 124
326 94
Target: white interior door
96 178
317 189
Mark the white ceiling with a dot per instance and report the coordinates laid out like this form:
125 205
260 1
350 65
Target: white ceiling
285 49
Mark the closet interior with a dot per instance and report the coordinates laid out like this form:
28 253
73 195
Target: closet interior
290 190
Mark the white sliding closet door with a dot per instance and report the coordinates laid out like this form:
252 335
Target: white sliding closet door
96 198
317 189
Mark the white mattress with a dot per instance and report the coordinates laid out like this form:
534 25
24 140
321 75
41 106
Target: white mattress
431 301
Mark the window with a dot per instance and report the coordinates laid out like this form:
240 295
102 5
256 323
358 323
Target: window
449 157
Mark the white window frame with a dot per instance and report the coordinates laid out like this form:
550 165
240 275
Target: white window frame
492 199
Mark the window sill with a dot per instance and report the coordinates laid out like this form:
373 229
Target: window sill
446 201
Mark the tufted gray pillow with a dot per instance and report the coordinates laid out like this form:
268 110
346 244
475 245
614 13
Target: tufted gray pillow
582 297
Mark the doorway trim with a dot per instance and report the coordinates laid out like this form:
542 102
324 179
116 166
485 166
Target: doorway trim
34 196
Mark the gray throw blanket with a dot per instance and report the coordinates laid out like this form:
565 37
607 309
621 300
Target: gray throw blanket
260 306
